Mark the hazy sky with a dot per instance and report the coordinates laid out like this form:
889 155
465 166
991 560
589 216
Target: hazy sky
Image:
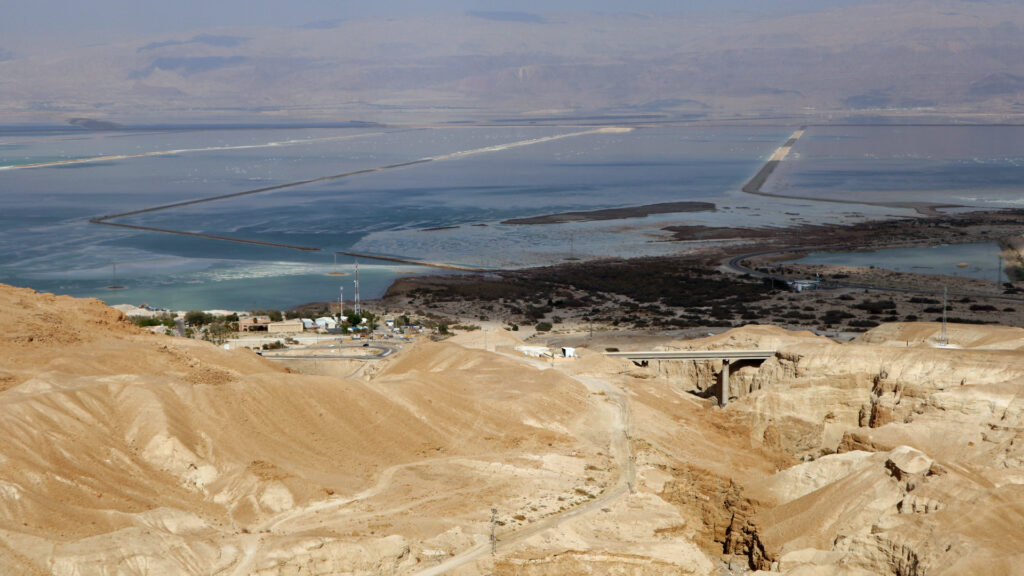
35 19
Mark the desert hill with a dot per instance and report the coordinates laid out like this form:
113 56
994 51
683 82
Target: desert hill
132 453
164 455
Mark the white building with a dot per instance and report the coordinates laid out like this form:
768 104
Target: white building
326 322
535 351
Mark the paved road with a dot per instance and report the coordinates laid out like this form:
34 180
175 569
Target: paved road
385 352
726 354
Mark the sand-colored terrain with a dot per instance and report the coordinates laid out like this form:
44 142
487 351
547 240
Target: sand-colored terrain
127 452
912 457
124 452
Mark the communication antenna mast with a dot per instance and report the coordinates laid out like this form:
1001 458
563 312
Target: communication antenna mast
356 302
944 340
341 302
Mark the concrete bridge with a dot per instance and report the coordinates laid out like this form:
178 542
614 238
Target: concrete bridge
726 356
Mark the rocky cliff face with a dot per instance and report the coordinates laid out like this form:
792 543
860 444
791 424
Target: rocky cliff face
904 448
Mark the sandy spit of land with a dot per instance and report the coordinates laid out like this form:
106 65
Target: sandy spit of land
615 213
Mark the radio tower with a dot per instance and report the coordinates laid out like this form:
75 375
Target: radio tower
341 302
356 304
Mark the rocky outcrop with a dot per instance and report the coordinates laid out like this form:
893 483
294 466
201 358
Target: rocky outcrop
923 435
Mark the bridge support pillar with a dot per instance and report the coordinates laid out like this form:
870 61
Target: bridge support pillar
725 383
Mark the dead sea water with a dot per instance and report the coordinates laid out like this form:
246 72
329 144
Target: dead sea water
49 244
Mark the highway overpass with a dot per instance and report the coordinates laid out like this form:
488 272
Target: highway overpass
726 356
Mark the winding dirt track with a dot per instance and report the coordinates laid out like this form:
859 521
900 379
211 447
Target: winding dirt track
621 431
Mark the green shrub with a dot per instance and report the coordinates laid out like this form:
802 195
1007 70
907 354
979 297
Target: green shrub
198 318
146 321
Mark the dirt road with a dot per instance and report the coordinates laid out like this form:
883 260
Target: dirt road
620 430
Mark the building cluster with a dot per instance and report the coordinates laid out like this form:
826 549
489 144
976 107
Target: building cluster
384 327
290 326
323 324
264 324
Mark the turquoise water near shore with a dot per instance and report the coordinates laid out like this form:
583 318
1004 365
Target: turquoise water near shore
234 286
981 259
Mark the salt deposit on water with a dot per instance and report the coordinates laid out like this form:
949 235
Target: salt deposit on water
512 172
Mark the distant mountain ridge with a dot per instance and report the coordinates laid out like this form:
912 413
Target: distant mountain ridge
947 57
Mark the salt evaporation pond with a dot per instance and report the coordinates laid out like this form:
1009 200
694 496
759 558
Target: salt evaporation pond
981 259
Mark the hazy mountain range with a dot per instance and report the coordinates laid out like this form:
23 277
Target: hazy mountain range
886 57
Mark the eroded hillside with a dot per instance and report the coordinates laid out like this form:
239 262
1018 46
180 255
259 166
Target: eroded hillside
159 455
912 453
131 453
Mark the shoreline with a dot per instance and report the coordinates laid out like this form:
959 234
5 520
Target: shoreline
721 284
700 289
724 245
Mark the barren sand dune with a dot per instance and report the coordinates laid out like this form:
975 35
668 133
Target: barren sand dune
123 452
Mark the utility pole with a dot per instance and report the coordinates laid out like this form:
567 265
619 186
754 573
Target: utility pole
944 292
341 303
356 303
